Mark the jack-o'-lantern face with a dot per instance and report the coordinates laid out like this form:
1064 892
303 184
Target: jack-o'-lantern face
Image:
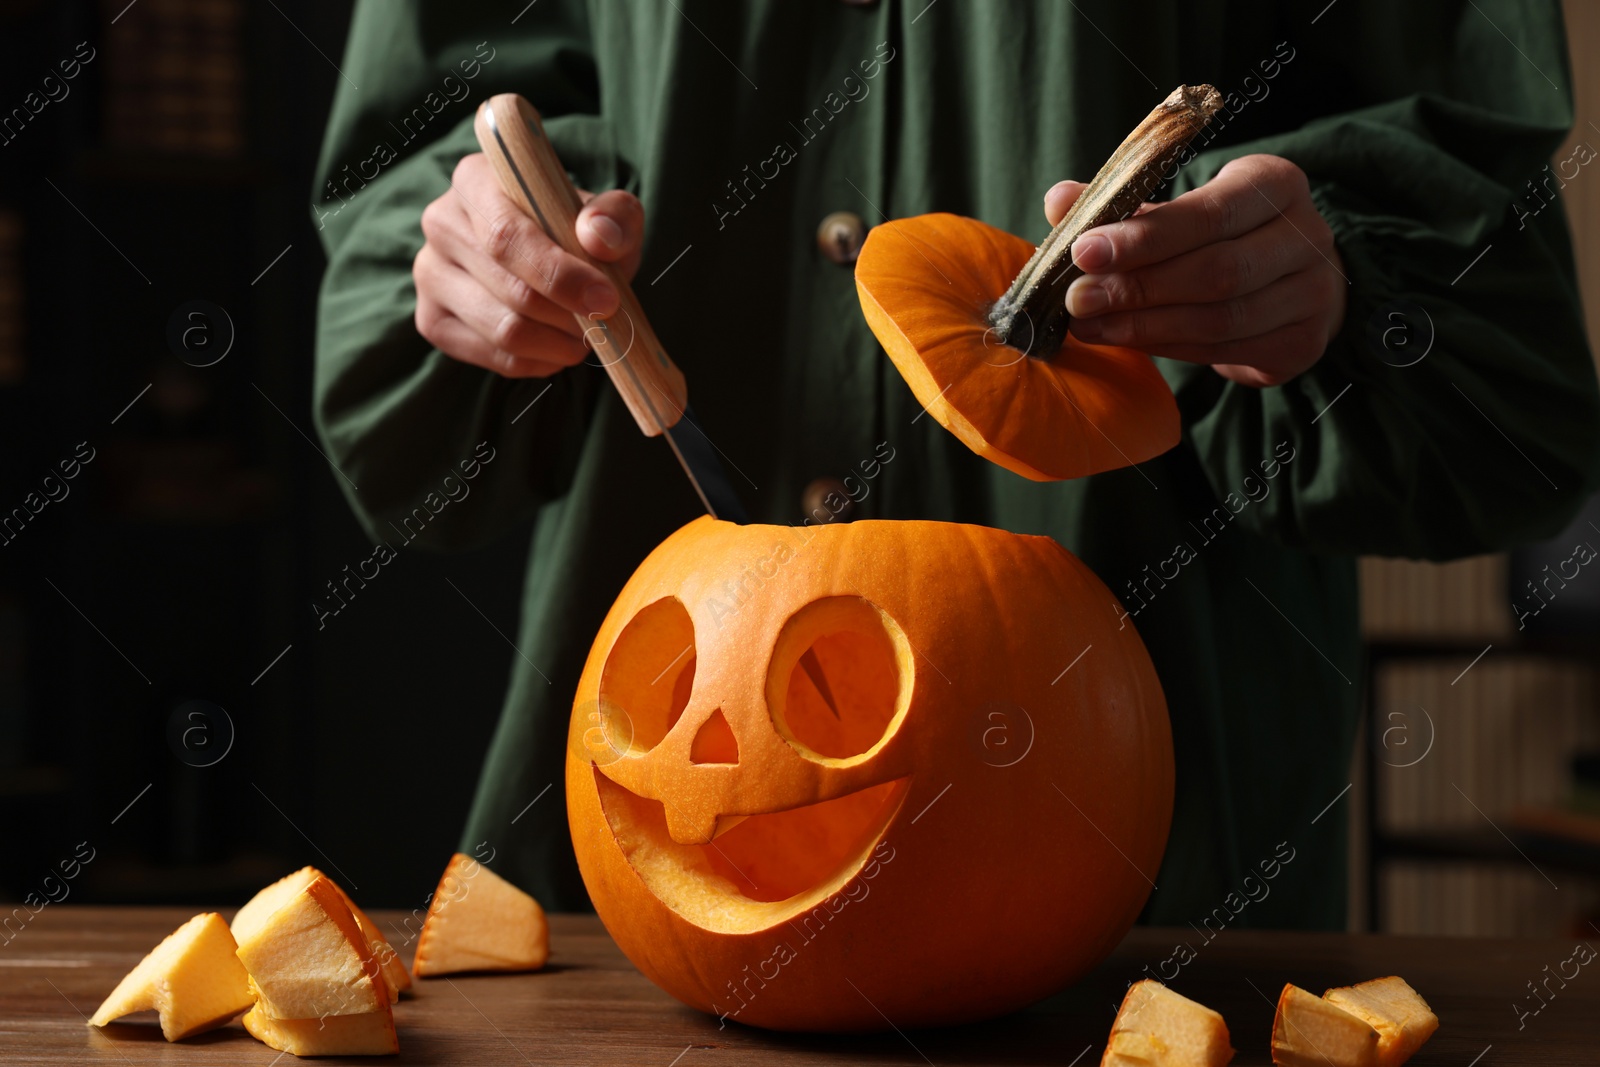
777 724
732 783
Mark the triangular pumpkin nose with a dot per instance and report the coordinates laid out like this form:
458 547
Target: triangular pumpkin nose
714 742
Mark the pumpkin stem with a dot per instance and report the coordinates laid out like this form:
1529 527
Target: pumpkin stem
1032 315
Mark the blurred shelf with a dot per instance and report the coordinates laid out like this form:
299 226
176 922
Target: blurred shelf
1556 824
1545 838
1382 649
1466 846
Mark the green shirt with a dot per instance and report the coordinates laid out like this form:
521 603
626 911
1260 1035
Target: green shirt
742 125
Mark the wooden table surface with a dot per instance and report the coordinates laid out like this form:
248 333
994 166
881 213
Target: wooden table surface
591 1007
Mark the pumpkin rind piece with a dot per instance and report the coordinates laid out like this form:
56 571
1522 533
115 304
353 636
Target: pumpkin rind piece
478 921
1156 1027
926 285
1390 1006
1308 1031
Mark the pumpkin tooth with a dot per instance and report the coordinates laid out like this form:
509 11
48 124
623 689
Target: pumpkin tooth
690 827
728 822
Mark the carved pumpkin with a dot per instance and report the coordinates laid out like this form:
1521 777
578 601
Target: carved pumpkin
975 321
978 825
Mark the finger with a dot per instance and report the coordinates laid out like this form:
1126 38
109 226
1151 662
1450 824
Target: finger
520 245
518 295
1287 300
611 229
1244 194
1213 272
450 236
1254 377
459 341
1268 359
1060 197
500 327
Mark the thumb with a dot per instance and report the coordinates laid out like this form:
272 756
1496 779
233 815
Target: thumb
611 229
1061 196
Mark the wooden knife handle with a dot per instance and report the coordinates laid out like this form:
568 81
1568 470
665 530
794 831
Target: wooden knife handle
512 136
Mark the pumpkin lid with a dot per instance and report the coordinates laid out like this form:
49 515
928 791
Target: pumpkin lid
975 321
926 286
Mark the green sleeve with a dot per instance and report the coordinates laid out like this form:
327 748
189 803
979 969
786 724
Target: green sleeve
1493 437
402 423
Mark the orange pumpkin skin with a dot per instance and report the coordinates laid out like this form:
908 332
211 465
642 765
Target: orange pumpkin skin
899 863
926 285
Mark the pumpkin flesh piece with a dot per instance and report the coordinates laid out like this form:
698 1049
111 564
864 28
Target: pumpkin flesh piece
1156 1027
192 978
367 1034
259 908
926 285
1390 1006
1311 1032
309 959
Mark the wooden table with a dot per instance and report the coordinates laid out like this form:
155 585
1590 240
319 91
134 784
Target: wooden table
591 1007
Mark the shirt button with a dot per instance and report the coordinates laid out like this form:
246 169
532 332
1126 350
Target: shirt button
839 236
827 500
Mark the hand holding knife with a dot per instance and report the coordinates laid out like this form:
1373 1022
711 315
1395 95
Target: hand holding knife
512 136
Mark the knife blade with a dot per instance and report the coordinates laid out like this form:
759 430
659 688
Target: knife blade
512 135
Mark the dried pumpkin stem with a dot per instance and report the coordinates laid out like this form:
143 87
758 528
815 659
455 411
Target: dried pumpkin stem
1032 315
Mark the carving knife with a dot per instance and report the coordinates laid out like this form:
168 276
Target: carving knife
512 136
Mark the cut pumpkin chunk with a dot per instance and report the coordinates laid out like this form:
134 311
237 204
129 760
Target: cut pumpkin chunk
1390 1006
193 979
309 959
1311 1032
478 921
1156 1027
248 919
368 1034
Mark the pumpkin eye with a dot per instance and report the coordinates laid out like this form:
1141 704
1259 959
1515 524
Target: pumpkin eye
864 663
648 677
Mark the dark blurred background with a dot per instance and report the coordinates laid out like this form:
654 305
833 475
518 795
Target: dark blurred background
167 697
180 563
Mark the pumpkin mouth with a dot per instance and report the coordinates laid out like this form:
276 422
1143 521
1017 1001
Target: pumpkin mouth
766 869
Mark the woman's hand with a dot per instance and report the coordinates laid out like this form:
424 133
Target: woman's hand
1241 274
494 291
